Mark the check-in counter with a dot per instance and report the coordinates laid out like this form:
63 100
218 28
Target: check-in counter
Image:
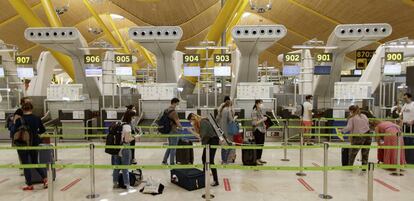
72 122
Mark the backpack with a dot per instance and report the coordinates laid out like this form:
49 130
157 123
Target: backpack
300 110
164 123
22 135
114 137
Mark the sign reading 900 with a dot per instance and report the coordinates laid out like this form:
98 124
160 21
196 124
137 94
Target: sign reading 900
222 58
191 58
394 56
123 58
23 60
292 57
91 59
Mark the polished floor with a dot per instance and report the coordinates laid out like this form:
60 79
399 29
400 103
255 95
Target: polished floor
243 185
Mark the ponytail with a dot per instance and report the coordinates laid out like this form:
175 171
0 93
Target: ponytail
257 101
355 111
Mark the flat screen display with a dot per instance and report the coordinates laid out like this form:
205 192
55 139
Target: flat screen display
123 71
193 71
291 70
222 71
1 72
93 72
25 73
322 70
357 72
392 69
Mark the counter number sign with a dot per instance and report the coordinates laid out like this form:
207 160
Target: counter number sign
191 58
323 57
222 58
91 59
394 56
292 58
362 58
23 60
123 58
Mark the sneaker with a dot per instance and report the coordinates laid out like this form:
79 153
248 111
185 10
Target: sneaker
262 161
130 189
134 161
115 186
45 183
258 162
164 163
28 188
215 184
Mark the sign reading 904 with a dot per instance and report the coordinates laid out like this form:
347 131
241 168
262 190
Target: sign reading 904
23 60
191 58
292 57
92 59
123 58
222 58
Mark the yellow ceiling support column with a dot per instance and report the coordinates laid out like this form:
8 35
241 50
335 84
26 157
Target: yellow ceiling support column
143 51
236 20
32 20
54 20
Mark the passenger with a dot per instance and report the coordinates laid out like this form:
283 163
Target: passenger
407 115
17 114
307 118
225 117
259 129
396 110
358 124
132 143
391 139
36 128
205 131
124 156
175 124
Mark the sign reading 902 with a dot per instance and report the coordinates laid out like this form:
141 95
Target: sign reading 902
23 60
191 58
323 57
292 57
91 59
123 58
394 56
222 58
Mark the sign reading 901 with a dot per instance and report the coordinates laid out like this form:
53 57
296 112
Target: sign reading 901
91 59
123 58
292 57
191 58
23 60
323 57
222 58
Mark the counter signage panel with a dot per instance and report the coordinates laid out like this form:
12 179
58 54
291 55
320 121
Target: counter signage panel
123 58
324 57
191 58
91 59
23 60
292 58
394 56
222 58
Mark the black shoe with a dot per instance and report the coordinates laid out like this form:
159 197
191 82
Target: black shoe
215 184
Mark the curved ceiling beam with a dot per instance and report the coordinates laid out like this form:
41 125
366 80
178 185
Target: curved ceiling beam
15 17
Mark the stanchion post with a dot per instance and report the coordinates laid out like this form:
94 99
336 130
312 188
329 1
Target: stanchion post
207 196
370 181
285 143
92 172
325 173
50 182
56 143
398 170
301 173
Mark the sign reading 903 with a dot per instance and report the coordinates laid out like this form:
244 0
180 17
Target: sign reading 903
191 58
292 57
222 58
91 59
23 60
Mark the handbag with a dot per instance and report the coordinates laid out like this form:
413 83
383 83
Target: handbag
22 136
233 128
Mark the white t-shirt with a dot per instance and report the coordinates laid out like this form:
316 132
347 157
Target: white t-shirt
307 111
126 133
408 112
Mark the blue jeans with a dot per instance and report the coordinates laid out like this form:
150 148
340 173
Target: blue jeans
124 160
31 157
172 141
225 155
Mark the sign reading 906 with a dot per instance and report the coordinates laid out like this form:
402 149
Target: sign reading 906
23 60
222 58
191 58
123 58
92 59
292 57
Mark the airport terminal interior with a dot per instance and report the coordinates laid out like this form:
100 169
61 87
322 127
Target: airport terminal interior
118 100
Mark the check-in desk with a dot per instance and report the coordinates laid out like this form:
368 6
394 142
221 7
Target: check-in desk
72 122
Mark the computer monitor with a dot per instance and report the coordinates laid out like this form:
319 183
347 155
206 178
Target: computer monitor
291 70
193 71
392 69
93 72
25 72
222 71
322 70
123 71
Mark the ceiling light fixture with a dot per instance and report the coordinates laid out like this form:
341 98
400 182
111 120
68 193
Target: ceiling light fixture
260 7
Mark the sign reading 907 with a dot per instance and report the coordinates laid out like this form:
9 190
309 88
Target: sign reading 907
23 60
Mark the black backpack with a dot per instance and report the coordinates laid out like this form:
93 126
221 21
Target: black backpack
114 137
22 136
164 123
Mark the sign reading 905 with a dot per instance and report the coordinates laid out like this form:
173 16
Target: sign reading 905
23 60
323 57
191 58
292 57
123 58
394 56
91 59
222 58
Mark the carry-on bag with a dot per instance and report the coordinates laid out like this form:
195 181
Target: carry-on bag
249 156
189 179
184 156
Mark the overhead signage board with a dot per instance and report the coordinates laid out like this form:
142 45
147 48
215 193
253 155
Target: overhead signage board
324 57
23 60
123 71
1 72
362 58
93 72
392 69
193 71
191 58
23 73
222 58
291 70
322 70
394 57
123 59
292 58
91 59
222 71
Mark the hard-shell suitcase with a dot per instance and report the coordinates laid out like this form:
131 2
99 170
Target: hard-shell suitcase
46 156
189 179
249 156
184 156
409 153
345 156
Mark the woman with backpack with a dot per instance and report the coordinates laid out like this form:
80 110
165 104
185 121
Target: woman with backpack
226 118
124 156
27 129
259 129
132 143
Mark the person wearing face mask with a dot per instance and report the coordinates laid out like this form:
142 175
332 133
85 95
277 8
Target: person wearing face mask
175 124
131 110
225 117
259 129
407 117
307 117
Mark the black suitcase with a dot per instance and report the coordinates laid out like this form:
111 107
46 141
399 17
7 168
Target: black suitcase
409 153
189 179
46 156
135 178
345 156
249 156
184 156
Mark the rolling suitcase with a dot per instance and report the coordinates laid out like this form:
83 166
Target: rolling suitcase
184 156
345 156
46 156
189 179
249 156
135 178
409 153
